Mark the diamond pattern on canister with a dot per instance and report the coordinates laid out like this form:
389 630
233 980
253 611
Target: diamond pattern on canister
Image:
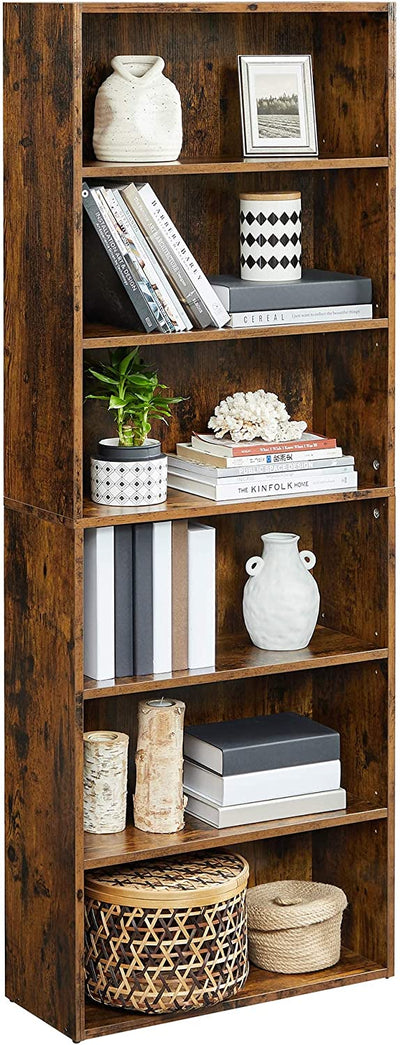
274 255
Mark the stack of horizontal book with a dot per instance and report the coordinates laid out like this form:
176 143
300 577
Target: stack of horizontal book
225 471
265 768
318 297
138 269
149 599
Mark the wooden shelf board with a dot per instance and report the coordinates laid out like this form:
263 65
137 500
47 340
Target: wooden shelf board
100 336
188 506
234 7
132 845
227 165
261 986
237 658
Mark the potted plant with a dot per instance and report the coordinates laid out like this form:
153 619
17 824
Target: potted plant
130 469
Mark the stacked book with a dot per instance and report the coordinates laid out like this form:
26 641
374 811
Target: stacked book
149 599
138 269
318 297
225 471
265 768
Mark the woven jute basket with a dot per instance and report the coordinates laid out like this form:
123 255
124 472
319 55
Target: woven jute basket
295 926
167 936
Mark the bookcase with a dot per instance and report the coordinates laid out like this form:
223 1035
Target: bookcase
338 378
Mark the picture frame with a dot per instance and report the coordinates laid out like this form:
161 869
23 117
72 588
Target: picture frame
277 105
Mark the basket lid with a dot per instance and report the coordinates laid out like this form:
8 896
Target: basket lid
290 905
176 882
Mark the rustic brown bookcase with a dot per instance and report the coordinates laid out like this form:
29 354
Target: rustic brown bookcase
340 378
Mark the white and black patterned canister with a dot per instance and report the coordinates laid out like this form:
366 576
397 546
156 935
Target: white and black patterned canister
270 236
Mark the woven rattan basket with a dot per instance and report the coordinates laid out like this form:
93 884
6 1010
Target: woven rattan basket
167 936
295 926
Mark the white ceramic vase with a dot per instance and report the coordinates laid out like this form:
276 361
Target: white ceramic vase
281 599
138 113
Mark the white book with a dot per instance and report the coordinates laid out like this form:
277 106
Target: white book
188 262
290 316
262 786
211 458
162 597
261 812
260 489
99 645
201 596
221 476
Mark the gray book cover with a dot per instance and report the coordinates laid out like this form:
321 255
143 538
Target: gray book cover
142 542
315 289
123 581
260 812
249 745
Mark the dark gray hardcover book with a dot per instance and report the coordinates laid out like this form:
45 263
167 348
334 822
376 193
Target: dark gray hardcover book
251 745
123 600
315 289
142 544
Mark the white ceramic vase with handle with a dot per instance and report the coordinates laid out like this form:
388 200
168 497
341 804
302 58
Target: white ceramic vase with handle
281 598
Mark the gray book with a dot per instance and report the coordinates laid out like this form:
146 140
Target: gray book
250 745
123 599
142 542
260 812
315 289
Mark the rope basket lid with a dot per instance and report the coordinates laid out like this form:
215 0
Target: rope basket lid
289 905
177 883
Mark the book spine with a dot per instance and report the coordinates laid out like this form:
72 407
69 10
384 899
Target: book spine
258 812
185 452
179 595
223 482
301 294
286 782
284 486
290 316
211 300
293 446
219 476
162 597
201 587
99 647
116 252
123 601
163 288
173 269
138 261
142 539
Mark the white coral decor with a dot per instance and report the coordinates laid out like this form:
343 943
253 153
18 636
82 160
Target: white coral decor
254 415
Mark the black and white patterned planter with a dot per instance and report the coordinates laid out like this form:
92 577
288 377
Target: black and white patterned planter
270 237
128 476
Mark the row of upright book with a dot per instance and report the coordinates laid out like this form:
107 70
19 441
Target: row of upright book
269 767
149 599
226 471
139 271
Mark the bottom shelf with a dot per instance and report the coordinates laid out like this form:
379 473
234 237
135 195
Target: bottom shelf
261 986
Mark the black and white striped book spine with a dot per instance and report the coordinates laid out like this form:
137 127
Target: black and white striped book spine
116 252
211 300
299 316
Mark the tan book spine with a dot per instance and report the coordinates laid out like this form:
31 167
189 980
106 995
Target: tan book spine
179 595
200 457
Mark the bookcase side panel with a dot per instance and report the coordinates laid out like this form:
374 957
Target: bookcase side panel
44 876
41 62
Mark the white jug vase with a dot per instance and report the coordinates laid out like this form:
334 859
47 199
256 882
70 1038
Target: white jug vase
138 113
281 599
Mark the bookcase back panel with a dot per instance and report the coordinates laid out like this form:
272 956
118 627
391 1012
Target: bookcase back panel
349 53
278 859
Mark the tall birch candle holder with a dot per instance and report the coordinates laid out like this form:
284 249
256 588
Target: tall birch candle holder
105 776
158 805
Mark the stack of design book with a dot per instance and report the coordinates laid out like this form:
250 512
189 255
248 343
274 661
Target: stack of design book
318 297
265 768
225 471
149 599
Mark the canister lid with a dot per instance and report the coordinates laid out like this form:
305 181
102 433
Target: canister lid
277 196
177 882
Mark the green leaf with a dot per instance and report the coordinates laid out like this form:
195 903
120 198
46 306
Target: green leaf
116 403
102 377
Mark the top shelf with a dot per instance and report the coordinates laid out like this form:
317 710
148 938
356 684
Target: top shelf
188 6
220 165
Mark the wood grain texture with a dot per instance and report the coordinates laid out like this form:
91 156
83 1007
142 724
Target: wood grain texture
98 336
188 165
235 6
43 457
44 868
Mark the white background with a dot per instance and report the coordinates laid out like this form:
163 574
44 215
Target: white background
366 1013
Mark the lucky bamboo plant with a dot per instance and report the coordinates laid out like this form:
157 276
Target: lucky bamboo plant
132 390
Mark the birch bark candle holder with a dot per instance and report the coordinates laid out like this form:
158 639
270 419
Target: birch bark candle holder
105 775
158 804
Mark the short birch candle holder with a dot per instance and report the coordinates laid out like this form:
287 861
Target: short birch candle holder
105 776
158 804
